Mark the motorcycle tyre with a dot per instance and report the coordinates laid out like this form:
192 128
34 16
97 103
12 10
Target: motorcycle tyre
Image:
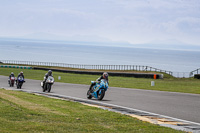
12 84
20 86
48 87
44 88
100 96
89 96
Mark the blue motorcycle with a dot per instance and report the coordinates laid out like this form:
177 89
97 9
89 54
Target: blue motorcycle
19 82
98 89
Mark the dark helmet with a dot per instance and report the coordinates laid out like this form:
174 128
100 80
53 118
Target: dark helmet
105 75
49 72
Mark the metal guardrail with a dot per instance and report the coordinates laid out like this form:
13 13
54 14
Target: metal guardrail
105 67
94 67
182 74
197 71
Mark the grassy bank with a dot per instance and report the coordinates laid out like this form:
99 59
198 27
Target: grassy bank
186 85
22 112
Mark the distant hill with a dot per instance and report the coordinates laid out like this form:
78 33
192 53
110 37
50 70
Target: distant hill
167 44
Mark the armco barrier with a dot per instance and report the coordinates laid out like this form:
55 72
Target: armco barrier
13 66
136 75
84 66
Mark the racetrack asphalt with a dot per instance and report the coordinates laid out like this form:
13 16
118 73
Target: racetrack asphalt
178 105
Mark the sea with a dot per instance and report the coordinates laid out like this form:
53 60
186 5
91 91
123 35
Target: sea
182 61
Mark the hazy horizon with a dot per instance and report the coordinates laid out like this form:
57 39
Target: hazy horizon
154 45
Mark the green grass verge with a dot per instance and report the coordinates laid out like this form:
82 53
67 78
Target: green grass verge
23 112
185 85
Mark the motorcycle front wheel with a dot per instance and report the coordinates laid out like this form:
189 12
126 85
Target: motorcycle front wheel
48 87
20 85
101 95
17 84
44 87
89 96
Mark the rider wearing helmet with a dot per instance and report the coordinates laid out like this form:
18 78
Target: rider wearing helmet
11 75
20 74
103 76
49 73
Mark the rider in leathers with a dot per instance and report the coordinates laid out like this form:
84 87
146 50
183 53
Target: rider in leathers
11 75
46 76
20 74
103 76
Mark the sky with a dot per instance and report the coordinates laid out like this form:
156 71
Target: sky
132 21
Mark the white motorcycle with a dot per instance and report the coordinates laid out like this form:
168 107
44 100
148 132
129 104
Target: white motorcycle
47 85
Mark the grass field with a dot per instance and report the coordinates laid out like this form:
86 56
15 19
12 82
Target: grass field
185 85
23 112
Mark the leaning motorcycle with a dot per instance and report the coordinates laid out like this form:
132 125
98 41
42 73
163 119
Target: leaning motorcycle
47 85
19 82
98 89
11 81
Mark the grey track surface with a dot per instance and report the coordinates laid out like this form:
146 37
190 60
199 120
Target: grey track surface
178 105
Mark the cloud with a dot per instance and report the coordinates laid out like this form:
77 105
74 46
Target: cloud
136 21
